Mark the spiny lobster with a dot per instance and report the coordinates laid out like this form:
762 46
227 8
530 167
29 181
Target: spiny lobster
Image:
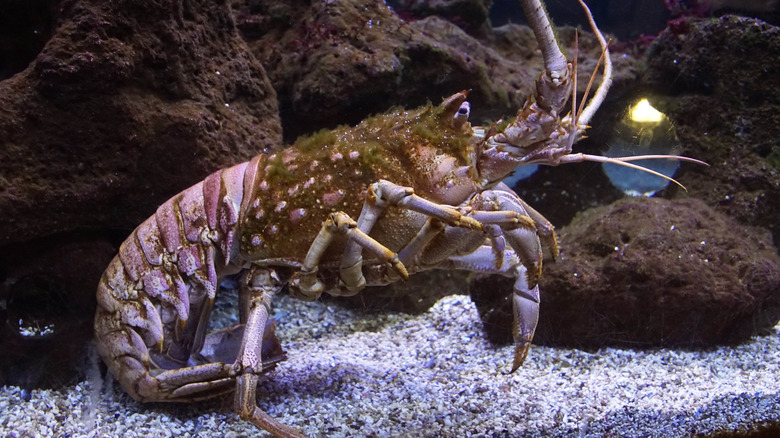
402 192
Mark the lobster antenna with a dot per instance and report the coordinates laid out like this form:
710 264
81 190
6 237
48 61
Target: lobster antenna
590 82
624 161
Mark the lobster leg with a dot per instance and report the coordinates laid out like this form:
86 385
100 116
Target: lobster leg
513 247
544 229
261 284
525 298
305 284
383 194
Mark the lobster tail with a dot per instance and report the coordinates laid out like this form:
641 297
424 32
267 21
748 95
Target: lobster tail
164 281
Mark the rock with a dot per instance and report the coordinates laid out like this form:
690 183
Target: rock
716 80
469 15
48 306
124 107
338 62
646 272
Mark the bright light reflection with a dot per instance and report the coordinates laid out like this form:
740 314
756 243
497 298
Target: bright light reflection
644 112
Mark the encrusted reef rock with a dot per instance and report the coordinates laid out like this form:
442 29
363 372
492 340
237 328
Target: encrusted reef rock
337 62
649 272
469 15
48 307
127 104
716 79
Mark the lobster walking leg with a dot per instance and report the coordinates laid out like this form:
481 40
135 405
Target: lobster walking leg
260 285
525 298
381 195
384 194
512 247
305 284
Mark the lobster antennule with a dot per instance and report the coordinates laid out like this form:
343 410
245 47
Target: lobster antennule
584 115
624 161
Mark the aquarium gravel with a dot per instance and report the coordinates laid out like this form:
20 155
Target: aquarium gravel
435 374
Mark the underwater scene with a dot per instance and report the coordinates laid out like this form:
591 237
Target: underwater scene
366 218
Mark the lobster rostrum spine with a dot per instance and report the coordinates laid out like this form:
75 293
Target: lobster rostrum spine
400 193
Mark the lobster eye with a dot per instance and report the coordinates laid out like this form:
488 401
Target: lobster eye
462 115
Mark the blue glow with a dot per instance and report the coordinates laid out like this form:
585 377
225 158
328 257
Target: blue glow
520 174
637 183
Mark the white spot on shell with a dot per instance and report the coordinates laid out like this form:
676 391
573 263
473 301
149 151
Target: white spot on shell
308 183
256 241
292 190
256 203
353 154
297 214
273 229
263 185
336 156
327 178
332 198
314 165
260 213
280 206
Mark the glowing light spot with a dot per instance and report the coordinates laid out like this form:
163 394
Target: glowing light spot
291 191
644 112
336 156
256 240
280 206
273 229
260 213
642 131
308 183
263 185
353 155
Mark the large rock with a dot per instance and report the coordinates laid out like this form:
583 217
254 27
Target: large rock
649 272
127 104
337 62
717 81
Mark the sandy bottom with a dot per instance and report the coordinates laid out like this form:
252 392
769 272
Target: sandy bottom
436 375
